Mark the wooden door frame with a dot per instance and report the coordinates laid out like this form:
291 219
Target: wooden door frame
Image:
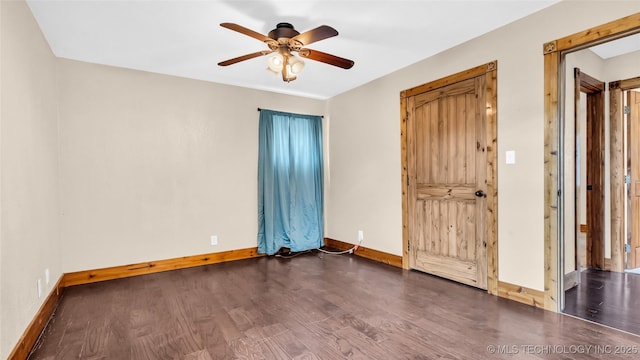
489 70
618 165
594 134
554 52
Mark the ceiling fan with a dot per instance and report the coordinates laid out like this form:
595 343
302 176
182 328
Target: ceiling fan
283 42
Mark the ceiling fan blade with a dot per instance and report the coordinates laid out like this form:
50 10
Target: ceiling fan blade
244 57
326 58
317 34
243 30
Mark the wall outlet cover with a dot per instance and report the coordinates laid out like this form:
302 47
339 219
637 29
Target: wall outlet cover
510 157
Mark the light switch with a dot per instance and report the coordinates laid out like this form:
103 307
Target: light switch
510 157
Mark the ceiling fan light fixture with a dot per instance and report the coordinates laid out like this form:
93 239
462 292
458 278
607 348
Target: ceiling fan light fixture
283 42
287 75
286 64
275 63
295 65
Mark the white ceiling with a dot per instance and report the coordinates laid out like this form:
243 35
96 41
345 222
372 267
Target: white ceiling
617 47
183 37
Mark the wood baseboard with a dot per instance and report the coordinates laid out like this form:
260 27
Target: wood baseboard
571 279
36 326
118 272
383 257
521 294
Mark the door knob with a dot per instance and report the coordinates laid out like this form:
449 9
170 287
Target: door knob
480 193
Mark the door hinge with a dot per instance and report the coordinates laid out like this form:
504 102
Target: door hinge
627 248
627 110
627 179
407 180
408 246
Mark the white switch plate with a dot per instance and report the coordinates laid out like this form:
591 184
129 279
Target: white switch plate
510 157
39 288
214 239
360 235
46 276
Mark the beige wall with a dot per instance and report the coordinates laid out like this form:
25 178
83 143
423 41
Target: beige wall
365 140
29 241
623 67
152 165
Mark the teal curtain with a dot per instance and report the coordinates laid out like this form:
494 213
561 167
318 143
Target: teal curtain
290 182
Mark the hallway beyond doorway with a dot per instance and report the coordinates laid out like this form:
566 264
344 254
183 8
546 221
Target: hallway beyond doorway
608 298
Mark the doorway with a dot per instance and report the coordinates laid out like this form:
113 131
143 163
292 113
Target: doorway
584 243
631 113
625 171
602 292
611 296
554 211
597 290
449 190
589 108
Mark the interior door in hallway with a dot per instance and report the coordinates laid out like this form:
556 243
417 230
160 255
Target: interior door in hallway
447 189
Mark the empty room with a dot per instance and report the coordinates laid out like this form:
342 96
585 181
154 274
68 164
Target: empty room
319 179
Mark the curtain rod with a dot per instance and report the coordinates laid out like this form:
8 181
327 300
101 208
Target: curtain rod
322 116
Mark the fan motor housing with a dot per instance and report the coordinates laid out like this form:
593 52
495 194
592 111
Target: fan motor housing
283 30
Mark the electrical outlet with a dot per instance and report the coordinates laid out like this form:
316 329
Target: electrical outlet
47 277
360 235
214 239
39 287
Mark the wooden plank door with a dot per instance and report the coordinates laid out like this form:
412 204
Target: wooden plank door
633 119
447 171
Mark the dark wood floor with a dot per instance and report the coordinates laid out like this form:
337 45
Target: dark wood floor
313 306
608 298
